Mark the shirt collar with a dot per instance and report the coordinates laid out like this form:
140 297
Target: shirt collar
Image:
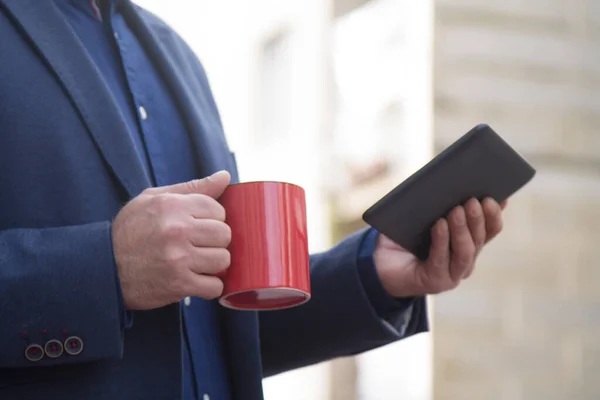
97 8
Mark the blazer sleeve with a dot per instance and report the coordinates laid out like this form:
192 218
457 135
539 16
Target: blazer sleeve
339 320
59 296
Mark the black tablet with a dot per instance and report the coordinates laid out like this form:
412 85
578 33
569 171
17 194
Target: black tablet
480 164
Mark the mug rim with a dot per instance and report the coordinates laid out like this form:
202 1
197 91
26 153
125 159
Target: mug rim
266 182
223 300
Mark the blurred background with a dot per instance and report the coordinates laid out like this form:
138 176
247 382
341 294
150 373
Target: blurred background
349 97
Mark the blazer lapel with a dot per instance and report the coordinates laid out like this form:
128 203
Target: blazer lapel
51 35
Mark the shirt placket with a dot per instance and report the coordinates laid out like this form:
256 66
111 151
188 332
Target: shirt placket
139 96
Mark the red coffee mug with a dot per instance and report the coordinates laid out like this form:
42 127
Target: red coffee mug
269 248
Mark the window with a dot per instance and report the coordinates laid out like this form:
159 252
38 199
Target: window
274 90
343 7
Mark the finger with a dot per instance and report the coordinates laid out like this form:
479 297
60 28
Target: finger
439 253
210 260
204 286
212 186
463 247
203 207
503 204
493 218
209 233
476 223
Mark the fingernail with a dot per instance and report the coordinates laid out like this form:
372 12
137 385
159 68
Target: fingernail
475 210
218 173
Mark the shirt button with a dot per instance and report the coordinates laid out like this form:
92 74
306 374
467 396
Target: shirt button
206 397
187 301
116 35
143 113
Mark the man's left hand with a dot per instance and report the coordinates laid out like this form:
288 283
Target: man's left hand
456 243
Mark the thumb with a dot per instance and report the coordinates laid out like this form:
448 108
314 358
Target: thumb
212 186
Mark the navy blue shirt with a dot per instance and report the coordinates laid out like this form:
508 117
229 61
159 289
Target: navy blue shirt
165 148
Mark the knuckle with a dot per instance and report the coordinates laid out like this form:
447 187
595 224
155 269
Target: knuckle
463 261
224 235
433 290
214 290
218 233
464 257
224 260
479 241
437 288
465 247
217 211
458 259
211 207
444 286
164 202
174 256
439 262
173 229
216 261
202 199
470 250
193 186
476 217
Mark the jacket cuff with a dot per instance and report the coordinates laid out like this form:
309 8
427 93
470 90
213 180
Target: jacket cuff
59 298
398 312
125 316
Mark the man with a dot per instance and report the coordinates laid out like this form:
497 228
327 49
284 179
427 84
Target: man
109 244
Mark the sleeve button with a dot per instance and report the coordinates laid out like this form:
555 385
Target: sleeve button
73 345
53 348
34 352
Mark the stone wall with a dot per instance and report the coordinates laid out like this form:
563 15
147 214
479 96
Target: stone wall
527 324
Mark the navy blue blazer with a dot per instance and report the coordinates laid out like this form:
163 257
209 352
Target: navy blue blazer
67 165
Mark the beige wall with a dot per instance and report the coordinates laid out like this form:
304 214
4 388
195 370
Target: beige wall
527 324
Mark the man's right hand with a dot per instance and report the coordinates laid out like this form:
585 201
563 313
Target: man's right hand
170 241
